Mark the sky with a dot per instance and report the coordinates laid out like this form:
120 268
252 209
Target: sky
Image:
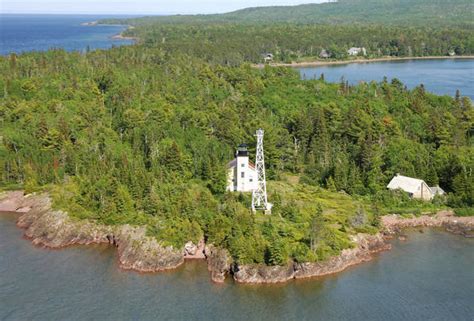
137 6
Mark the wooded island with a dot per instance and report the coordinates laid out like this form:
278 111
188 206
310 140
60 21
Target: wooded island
142 134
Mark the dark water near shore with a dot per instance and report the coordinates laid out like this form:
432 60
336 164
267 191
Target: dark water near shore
21 33
440 76
429 277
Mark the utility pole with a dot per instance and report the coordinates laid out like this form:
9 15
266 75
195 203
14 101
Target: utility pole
259 195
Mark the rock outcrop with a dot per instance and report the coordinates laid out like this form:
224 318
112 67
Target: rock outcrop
366 245
263 273
143 253
218 263
193 251
55 229
393 224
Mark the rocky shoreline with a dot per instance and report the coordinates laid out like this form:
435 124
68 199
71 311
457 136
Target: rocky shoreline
366 246
394 224
139 252
55 229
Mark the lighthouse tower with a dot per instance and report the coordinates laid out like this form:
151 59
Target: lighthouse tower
259 195
242 176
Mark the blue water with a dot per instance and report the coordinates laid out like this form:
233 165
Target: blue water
440 76
428 277
21 33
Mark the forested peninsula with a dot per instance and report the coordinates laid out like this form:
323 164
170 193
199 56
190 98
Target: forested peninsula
385 28
129 145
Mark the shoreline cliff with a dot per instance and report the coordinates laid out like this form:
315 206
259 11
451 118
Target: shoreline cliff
136 251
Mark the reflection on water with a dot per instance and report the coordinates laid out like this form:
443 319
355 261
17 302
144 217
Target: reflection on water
428 277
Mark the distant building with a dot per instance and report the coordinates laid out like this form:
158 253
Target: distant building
324 54
242 176
354 51
416 188
268 57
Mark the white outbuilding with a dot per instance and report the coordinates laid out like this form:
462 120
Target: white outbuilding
416 188
242 175
354 51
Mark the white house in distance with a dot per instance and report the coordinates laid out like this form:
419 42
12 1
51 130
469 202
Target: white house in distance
354 51
268 57
417 188
242 176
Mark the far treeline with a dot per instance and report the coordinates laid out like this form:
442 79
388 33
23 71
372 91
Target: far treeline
138 135
401 28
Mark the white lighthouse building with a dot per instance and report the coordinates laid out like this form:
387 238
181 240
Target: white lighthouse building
242 176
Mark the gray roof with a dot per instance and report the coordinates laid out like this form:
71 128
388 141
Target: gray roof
436 190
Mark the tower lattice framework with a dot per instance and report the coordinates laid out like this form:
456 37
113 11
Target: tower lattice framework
259 195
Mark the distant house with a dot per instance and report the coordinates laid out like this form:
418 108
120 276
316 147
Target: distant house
268 57
354 51
241 173
416 188
324 54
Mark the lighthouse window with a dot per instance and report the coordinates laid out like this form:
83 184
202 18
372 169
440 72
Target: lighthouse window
242 165
250 180
242 174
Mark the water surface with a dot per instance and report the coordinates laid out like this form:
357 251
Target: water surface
440 76
22 33
430 277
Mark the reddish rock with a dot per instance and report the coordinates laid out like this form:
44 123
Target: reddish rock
263 273
393 224
55 229
366 245
218 263
193 251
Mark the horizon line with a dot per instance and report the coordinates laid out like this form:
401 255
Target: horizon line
165 13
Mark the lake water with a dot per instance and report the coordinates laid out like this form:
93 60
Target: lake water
429 277
440 76
20 33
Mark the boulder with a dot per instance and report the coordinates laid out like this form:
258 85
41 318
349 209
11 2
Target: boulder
190 248
218 262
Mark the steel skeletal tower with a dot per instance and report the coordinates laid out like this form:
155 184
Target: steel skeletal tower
259 195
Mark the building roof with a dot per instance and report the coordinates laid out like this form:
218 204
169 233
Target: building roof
324 54
436 190
233 163
408 184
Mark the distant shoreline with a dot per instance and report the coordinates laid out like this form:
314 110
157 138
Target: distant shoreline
118 36
358 61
